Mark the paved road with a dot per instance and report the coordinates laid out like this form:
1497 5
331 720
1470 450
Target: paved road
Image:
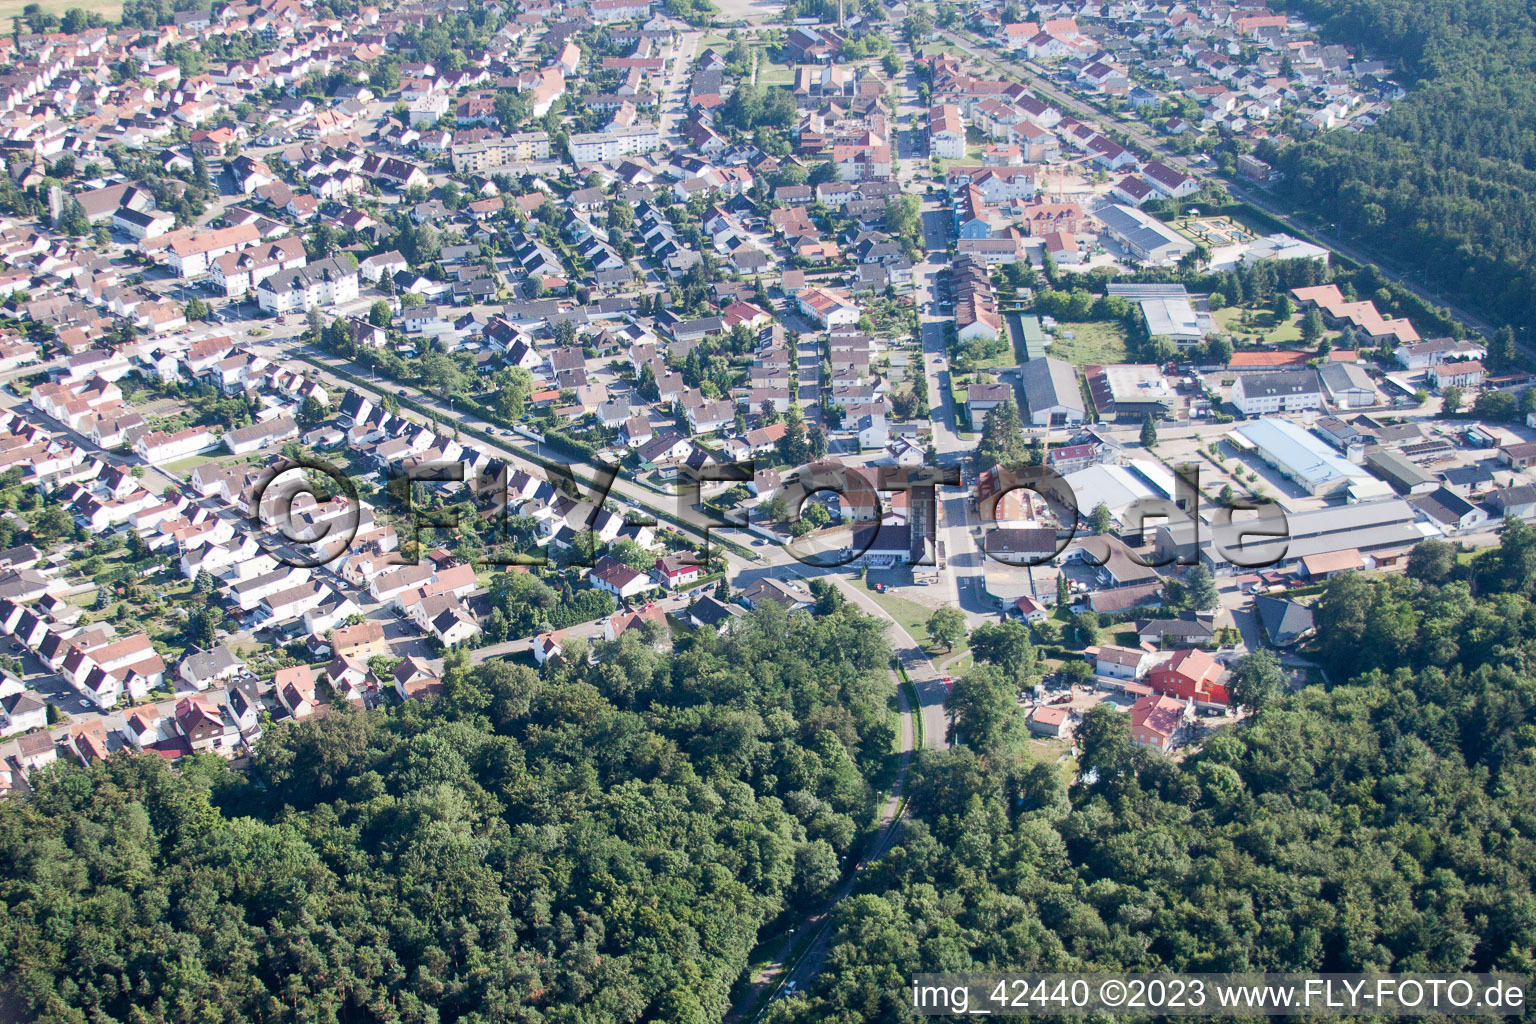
674 94
924 674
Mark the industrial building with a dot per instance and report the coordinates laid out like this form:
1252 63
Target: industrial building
1117 488
1148 239
1130 391
1051 392
1298 455
1348 386
1168 310
1404 476
1381 533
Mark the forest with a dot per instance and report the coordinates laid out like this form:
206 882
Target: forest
600 843
609 840
1382 823
1445 183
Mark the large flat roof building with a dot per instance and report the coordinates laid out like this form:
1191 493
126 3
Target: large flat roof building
1129 391
1148 239
1381 532
1298 455
1168 310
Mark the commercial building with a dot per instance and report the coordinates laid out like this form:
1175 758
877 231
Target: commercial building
1283 247
1051 392
1298 455
1258 394
1146 238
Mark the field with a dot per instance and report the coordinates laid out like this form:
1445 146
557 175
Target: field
1094 341
109 9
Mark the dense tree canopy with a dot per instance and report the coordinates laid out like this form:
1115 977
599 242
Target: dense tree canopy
1384 824
607 841
602 843
1445 182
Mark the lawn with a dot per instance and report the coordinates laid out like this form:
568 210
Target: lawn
1002 361
109 9
913 617
1261 324
773 74
184 467
1050 751
1094 342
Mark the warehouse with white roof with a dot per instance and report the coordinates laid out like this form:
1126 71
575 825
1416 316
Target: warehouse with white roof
1117 488
1300 456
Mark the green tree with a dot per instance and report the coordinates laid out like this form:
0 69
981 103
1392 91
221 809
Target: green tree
1002 438
379 314
1201 588
1432 561
1148 432
1450 399
816 871
983 709
1502 356
74 222
196 309
1312 326
1283 308
1007 646
793 448
1499 406
1257 680
311 411
52 524
947 626
1101 519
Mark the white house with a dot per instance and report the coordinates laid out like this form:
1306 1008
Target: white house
329 282
826 308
